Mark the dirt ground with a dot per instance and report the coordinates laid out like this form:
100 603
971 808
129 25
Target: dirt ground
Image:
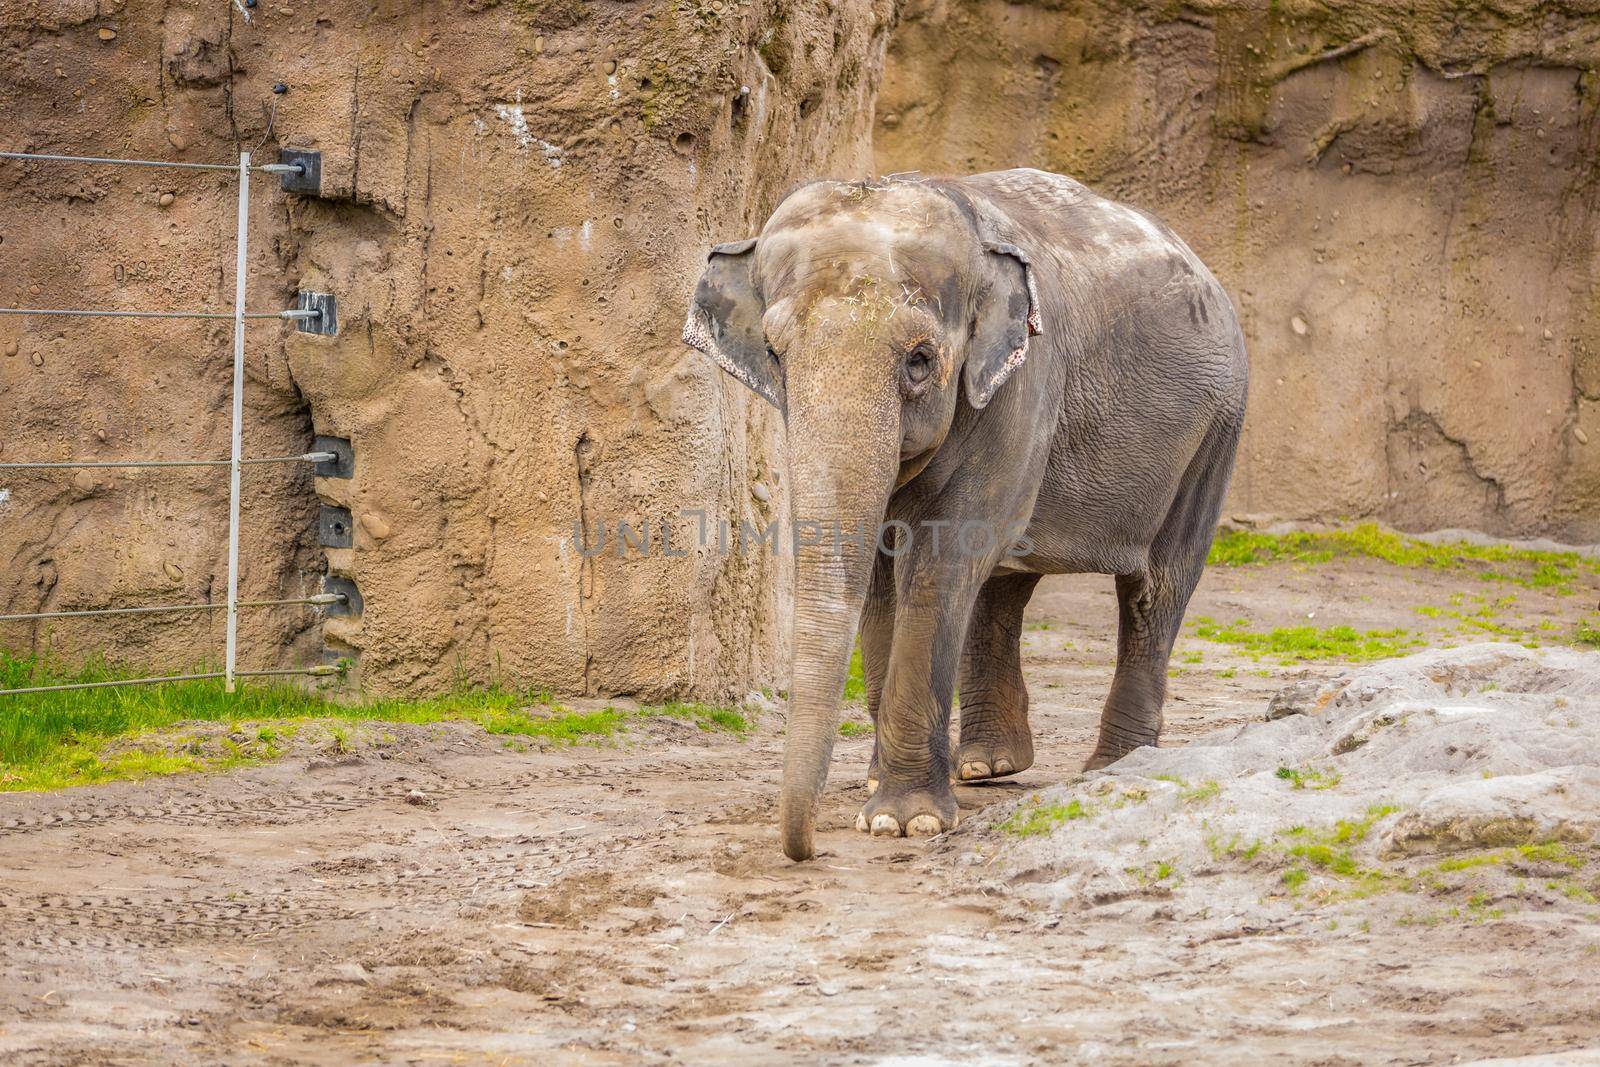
629 904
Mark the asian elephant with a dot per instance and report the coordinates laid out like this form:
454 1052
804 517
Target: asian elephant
1008 352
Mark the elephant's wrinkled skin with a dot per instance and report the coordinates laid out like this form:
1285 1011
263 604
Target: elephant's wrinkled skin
1011 349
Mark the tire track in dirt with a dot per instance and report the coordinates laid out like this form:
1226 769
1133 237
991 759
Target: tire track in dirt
279 810
522 863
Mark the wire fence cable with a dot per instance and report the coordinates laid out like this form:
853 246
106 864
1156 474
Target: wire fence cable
292 314
269 168
318 599
324 671
236 461
307 457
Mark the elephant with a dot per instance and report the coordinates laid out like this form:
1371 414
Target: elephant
1009 351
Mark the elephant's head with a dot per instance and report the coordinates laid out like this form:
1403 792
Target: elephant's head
866 312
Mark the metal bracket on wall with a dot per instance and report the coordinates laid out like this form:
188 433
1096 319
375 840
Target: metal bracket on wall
325 305
344 466
309 178
351 606
334 528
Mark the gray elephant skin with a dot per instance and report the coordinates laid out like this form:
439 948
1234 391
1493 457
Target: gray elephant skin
1007 351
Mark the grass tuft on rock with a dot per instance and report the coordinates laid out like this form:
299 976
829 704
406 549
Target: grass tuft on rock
1040 819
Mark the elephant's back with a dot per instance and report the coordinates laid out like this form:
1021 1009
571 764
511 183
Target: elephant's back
1102 258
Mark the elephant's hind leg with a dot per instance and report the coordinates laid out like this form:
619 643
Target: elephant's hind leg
1149 613
1151 603
877 645
995 738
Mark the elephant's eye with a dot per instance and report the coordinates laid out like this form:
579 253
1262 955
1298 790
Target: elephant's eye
919 364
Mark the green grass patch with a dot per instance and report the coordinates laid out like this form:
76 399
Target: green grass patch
1551 852
1300 644
1040 819
1533 568
1233 848
1328 849
855 682
1358 829
1310 778
1317 854
1154 873
79 737
1485 619
855 729
1586 633
707 717
1572 891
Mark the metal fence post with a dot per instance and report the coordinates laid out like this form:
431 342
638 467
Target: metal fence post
238 421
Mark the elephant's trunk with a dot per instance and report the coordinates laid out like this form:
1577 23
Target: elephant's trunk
839 480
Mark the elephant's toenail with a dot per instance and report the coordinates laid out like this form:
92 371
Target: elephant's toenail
1002 766
861 821
974 769
924 826
885 826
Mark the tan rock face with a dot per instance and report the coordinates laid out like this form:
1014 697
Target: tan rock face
517 198
1390 192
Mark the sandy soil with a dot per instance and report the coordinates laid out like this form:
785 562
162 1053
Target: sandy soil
629 904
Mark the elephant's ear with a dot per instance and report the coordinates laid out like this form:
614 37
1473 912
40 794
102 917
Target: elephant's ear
1008 314
725 320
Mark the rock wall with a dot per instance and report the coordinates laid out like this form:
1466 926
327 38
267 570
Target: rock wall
1400 197
516 198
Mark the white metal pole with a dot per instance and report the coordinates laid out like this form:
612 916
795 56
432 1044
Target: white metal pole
242 246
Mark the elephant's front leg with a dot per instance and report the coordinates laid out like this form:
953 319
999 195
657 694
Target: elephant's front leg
934 598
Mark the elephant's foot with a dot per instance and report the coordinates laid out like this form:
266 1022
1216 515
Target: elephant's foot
977 761
1111 749
873 777
918 813
994 743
